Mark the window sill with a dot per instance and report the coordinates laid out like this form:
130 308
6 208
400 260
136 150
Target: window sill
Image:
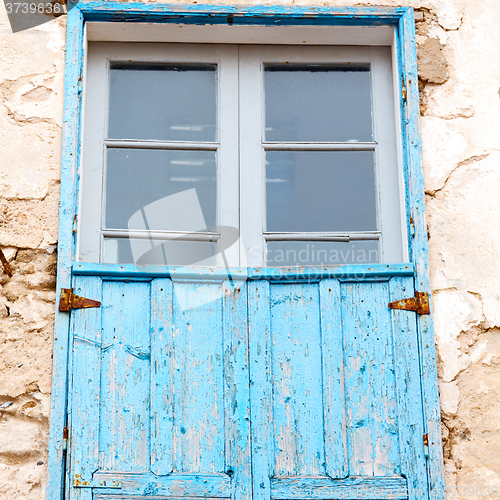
294 274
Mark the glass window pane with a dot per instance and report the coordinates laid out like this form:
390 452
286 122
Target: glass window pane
159 190
163 102
158 252
320 191
321 253
317 103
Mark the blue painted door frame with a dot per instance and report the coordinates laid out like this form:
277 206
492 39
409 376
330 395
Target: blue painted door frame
402 20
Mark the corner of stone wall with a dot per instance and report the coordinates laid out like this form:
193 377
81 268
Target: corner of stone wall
459 78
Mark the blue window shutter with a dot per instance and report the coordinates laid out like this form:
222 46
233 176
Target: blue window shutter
299 389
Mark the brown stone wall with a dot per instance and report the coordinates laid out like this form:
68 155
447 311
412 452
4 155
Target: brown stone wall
31 97
459 66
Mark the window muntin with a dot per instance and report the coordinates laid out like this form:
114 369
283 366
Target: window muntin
247 196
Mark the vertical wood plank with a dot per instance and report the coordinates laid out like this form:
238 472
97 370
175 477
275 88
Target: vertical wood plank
412 162
67 200
372 434
259 329
161 377
409 390
198 379
85 389
125 388
236 389
297 380
333 379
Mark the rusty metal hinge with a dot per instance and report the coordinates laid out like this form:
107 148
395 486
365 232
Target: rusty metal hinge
419 303
403 90
69 301
426 445
78 482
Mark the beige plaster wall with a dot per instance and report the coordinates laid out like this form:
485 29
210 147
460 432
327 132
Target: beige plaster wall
459 62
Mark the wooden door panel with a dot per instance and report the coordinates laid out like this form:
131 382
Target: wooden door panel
163 403
125 378
296 390
326 376
371 419
297 380
197 381
331 369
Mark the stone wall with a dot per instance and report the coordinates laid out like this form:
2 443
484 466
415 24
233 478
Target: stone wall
31 97
459 65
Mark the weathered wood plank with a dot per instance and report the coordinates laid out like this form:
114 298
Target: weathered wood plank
312 273
198 379
353 488
125 387
408 382
175 485
277 14
333 379
297 380
106 496
161 377
412 162
372 433
84 419
259 328
65 252
195 273
237 390
201 274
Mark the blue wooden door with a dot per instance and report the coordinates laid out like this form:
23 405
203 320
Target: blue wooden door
160 394
271 389
335 391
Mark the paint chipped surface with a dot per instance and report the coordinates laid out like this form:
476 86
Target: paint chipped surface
236 412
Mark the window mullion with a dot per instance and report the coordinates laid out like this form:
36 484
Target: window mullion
228 176
251 154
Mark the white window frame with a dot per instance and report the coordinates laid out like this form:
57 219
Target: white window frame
101 56
389 179
241 188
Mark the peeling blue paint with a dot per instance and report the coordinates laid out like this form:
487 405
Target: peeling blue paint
418 244
257 14
67 211
247 328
